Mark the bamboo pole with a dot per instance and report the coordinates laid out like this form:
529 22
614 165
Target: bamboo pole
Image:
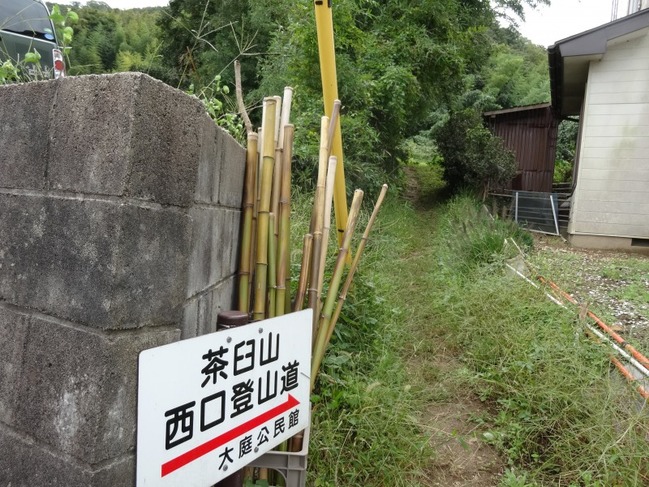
268 154
325 319
317 222
248 210
283 275
285 119
326 227
327 57
357 257
335 112
277 168
307 247
272 266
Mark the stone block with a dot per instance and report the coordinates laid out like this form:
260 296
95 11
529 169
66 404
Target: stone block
209 174
165 144
91 144
99 263
206 316
233 226
14 328
25 464
24 140
233 168
224 296
189 327
78 389
210 240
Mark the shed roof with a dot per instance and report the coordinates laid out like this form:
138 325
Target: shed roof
523 108
570 58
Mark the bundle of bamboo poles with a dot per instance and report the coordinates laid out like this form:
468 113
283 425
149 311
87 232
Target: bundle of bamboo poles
264 271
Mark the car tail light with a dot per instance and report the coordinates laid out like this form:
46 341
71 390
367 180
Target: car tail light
59 64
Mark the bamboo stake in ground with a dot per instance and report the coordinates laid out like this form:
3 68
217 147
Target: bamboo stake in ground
355 262
325 319
317 222
246 235
304 272
284 224
268 154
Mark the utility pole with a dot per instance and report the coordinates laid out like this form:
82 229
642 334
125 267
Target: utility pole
325 31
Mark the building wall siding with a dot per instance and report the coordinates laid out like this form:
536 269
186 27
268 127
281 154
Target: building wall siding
612 192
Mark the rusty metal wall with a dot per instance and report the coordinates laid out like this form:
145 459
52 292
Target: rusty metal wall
532 135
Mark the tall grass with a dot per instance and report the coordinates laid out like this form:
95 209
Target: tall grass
558 412
434 281
364 428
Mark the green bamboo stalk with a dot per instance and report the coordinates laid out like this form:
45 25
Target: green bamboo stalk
318 223
268 154
246 235
283 276
307 247
357 257
272 266
325 319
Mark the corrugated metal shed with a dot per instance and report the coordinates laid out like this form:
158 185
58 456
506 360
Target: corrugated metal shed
531 133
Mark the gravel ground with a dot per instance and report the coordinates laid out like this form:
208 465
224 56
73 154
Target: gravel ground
615 285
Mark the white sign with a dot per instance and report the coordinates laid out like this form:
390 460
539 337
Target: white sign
210 405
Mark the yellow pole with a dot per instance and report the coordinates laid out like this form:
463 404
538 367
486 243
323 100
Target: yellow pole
325 30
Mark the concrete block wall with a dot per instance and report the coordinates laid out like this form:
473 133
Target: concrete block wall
119 222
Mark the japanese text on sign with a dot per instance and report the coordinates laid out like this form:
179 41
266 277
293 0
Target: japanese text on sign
222 400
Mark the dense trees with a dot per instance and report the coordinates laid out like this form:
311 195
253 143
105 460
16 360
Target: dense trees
404 66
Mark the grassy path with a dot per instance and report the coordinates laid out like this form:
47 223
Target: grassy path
448 371
450 410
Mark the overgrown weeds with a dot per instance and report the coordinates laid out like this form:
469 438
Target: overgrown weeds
436 280
558 413
364 426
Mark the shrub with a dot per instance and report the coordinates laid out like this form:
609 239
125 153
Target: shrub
473 157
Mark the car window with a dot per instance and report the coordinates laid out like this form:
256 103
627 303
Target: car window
26 17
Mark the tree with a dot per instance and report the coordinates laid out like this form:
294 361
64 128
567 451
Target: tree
472 156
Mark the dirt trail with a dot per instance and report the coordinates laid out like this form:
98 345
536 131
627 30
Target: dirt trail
463 458
453 416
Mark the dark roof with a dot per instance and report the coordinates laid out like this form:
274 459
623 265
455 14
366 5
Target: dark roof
524 108
570 58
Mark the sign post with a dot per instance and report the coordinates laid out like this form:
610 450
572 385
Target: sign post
210 405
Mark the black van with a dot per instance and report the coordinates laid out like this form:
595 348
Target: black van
25 26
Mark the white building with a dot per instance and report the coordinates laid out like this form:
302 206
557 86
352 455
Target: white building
602 75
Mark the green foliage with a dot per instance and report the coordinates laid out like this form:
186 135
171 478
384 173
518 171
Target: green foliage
566 148
517 72
400 64
562 171
214 97
108 40
9 73
472 156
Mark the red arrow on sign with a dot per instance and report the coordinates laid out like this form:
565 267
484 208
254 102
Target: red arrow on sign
213 444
